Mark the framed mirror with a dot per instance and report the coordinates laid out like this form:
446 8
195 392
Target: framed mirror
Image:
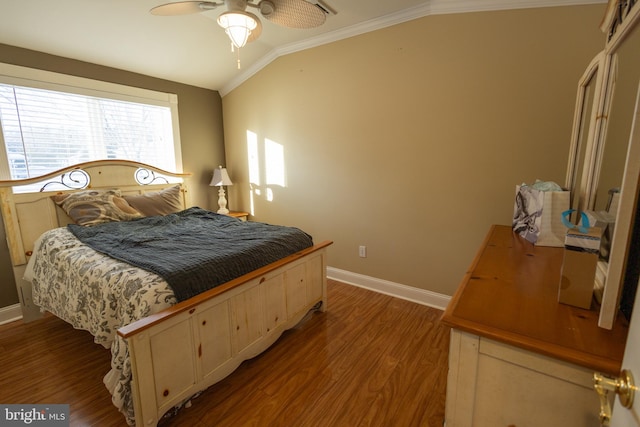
605 176
619 167
622 268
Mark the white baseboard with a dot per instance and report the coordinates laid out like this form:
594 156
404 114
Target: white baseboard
409 293
10 313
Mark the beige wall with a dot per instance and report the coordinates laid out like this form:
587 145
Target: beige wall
200 116
410 140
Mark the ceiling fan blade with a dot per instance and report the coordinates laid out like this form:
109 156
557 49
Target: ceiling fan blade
296 14
183 8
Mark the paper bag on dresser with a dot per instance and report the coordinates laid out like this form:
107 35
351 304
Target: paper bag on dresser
537 213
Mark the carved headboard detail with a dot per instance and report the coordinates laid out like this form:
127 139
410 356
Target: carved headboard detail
29 214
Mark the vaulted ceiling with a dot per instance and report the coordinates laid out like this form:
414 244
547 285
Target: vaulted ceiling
193 49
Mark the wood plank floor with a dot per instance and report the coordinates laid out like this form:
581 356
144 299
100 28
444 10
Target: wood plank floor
370 360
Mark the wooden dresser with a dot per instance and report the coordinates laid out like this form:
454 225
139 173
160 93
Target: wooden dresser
517 356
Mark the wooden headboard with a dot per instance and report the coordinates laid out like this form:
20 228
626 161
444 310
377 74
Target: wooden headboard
28 215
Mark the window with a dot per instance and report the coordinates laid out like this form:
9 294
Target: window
47 125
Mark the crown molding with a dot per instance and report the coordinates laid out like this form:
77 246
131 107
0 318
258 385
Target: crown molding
441 7
433 7
249 71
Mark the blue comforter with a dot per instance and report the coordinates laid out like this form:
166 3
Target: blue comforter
194 250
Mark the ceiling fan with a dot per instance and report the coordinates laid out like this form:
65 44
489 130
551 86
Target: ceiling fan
242 26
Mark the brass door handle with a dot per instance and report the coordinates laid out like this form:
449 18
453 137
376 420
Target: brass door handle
623 386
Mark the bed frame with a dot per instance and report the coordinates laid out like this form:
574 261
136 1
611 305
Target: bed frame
186 348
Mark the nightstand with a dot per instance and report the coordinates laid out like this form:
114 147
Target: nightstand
242 216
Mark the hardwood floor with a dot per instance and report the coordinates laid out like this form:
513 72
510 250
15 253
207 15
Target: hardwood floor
370 360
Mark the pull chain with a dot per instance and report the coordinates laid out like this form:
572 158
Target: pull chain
233 49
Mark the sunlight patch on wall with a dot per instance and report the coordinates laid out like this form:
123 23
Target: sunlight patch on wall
267 159
274 156
254 167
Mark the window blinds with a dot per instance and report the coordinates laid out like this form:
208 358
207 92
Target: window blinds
45 130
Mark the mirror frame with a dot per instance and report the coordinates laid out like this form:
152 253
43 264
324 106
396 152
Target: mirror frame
610 78
620 18
595 73
623 229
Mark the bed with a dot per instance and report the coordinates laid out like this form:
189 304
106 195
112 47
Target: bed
170 338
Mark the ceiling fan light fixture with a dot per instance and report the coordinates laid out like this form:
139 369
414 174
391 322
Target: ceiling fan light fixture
241 26
238 26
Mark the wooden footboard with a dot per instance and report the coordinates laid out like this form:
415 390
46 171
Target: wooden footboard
196 343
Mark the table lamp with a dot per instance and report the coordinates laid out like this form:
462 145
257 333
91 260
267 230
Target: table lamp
220 179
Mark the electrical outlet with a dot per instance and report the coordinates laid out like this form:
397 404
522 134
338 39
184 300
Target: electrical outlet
362 251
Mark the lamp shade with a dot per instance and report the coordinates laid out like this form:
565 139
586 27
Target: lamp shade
220 177
238 26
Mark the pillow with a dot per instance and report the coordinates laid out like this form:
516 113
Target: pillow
92 207
161 202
